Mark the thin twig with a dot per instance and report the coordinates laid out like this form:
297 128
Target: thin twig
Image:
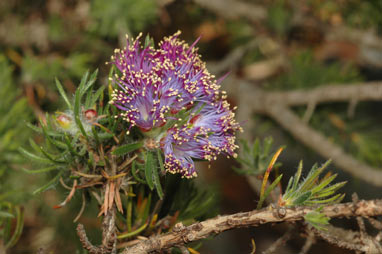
375 223
64 185
360 221
279 242
69 197
310 240
82 208
127 162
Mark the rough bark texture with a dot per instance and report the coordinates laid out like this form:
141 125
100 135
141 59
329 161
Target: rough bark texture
181 234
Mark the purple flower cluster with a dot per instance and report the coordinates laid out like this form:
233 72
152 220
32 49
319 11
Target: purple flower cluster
171 97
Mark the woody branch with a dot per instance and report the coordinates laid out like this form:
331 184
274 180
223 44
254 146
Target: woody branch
254 100
200 230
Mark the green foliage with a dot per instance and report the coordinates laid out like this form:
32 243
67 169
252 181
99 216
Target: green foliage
360 135
364 15
279 17
317 219
268 191
13 133
110 20
149 172
35 68
361 15
128 148
87 145
305 72
14 112
241 32
190 201
9 215
67 136
255 158
312 191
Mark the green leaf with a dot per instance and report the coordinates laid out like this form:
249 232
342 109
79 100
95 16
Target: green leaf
128 148
244 145
56 143
91 81
33 156
6 215
330 190
255 148
302 198
42 170
70 146
63 94
77 112
268 191
290 182
89 96
268 141
84 78
134 173
317 219
149 42
149 167
105 135
18 229
332 200
297 176
313 176
46 154
95 136
323 184
49 184
35 128
157 183
146 211
160 160
96 96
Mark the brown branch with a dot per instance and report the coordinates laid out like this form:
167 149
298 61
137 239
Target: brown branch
371 91
280 242
86 244
275 104
258 100
200 230
109 239
232 9
231 61
348 239
310 240
319 143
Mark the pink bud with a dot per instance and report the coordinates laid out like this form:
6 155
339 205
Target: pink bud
90 115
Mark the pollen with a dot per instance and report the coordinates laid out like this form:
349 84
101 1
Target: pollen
167 91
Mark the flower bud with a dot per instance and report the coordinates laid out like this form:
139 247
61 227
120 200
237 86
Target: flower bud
64 121
91 115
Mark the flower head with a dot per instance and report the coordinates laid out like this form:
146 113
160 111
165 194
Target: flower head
169 94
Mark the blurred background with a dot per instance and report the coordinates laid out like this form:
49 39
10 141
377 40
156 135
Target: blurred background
265 45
